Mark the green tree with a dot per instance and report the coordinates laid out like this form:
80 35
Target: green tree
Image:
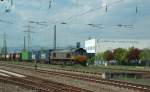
145 56
120 55
133 56
108 55
91 60
99 56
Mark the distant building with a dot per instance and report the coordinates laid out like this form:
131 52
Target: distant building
98 46
90 46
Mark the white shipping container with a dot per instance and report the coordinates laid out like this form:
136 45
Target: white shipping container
33 56
7 56
43 56
17 56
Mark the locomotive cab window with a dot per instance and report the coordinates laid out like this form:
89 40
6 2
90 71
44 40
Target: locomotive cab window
82 53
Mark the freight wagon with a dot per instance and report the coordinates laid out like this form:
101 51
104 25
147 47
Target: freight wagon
0 57
26 56
46 56
36 56
3 57
18 57
63 56
7 57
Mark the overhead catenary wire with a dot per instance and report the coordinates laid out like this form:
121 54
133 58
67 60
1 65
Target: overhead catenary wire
92 10
42 23
128 26
11 2
5 21
106 6
50 3
9 6
137 7
133 21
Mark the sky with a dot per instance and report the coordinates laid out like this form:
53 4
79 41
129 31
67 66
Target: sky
82 18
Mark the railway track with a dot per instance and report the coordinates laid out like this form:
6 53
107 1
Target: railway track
72 74
77 71
95 73
41 85
145 73
121 84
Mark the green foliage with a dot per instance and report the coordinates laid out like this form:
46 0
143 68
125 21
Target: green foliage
26 55
99 56
108 55
130 56
120 55
91 60
133 54
145 56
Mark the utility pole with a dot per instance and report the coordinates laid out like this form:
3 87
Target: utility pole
106 8
90 37
24 43
55 40
11 2
4 49
136 9
29 35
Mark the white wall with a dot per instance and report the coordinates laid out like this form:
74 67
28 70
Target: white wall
90 46
97 46
108 44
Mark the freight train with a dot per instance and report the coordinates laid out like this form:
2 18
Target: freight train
61 56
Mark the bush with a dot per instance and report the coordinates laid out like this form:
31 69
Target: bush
91 60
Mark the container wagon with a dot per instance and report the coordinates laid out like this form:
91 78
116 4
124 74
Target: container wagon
18 57
7 57
26 56
0 57
36 56
45 56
